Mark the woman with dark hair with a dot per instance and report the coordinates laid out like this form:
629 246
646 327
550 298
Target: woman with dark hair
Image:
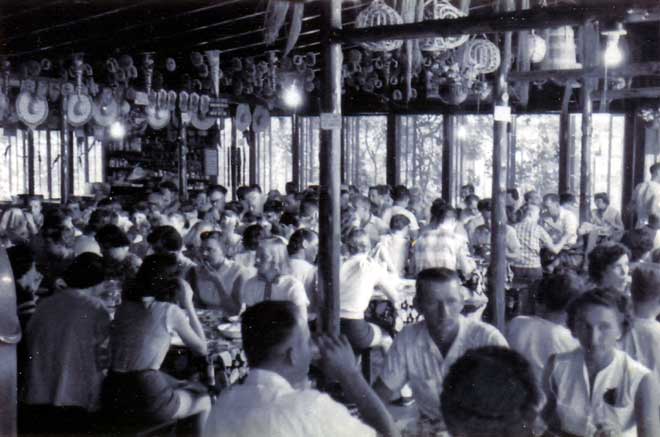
596 389
490 391
140 338
609 267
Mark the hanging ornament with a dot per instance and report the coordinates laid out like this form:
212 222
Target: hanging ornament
442 10
480 55
79 106
260 119
537 48
561 50
31 109
379 14
243 117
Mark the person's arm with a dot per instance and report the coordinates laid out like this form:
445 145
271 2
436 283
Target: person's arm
339 363
190 331
549 413
646 407
546 241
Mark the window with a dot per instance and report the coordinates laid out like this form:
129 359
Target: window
13 162
475 153
310 138
420 139
537 153
274 159
87 164
365 139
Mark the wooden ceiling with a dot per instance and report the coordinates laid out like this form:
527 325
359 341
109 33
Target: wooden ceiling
34 29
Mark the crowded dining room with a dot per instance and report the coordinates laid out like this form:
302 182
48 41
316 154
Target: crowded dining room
301 218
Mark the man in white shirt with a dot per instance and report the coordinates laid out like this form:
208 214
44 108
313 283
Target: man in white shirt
646 197
273 402
393 249
374 226
401 198
539 337
561 224
423 352
303 248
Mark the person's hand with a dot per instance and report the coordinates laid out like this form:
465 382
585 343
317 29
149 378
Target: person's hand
338 357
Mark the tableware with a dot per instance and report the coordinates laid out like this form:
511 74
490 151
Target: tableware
230 330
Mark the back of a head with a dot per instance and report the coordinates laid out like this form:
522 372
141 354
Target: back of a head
266 326
251 236
484 205
513 192
490 392
156 278
400 193
557 290
308 207
645 286
85 271
166 237
99 218
398 222
21 258
442 212
655 169
566 199
298 240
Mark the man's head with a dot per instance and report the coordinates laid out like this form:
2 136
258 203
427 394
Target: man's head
273 209
645 288
602 201
466 190
85 273
309 211
169 191
512 196
306 242
21 258
557 290
165 239
114 242
444 215
533 197
358 242
276 338
531 212
485 206
471 202
567 200
439 299
655 171
216 195
213 248
400 195
252 199
490 391
362 207
379 194
551 204
400 224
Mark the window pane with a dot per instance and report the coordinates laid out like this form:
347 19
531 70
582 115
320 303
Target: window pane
607 143
310 137
475 153
537 153
13 163
365 150
420 139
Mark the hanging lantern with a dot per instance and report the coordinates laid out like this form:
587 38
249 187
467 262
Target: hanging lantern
561 52
537 48
453 93
379 14
481 56
442 10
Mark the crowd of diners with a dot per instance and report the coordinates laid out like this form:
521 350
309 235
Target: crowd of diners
102 287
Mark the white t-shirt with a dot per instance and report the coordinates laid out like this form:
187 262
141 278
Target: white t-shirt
358 277
399 210
267 405
642 343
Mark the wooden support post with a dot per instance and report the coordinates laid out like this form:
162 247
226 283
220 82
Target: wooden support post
329 157
393 157
251 140
183 162
234 161
343 157
565 144
295 151
590 41
64 154
449 158
30 158
498 266
633 160
511 155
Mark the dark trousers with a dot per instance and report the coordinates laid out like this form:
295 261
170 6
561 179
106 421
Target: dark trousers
525 280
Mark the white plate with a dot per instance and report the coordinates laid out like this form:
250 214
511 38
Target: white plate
230 330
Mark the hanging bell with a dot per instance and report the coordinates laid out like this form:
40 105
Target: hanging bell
561 51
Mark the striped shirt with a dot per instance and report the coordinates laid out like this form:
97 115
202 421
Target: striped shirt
532 238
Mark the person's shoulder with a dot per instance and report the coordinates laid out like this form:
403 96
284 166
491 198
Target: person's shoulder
482 333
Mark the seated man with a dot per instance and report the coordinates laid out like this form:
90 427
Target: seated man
560 222
423 352
273 402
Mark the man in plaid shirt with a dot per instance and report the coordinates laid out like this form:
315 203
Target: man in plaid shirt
527 267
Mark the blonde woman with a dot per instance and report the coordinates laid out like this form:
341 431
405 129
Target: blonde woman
273 280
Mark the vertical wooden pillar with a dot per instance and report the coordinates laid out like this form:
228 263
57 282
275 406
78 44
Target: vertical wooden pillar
590 42
251 140
234 161
449 158
498 268
295 151
73 139
30 158
329 157
393 156
633 160
511 155
564 151
343 157
64 154
183 162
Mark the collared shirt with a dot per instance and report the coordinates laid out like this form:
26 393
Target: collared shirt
305 272
415 359
537 339
610 219
642 343
565 225
532 238
267 405
64 343
375 227
400 210
441 248
229 275
284 287
646 201
581 407
392 252
358 277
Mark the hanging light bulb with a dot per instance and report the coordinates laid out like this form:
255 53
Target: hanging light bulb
613 54
461 133
117 131
292 96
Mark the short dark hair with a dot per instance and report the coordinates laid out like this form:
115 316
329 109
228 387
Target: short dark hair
298 239
472 198
442 212
265 326
468 187
398 222
645 283
639 241
514 193
237 207
565 198
602 196
655 168
604 255
603 297
157 277
400 193
490 391
167 236
308 207
557 290
436 274
21 258
252 235
168 185
241 192
100 218
111 236
289 219
85 271
485 205
273 205
213 188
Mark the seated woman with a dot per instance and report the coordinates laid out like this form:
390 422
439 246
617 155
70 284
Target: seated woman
273 280
597 389
609 267
135 388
